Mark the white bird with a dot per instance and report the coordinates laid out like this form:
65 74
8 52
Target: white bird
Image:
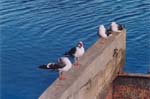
63 65
77 52
116 27
103 33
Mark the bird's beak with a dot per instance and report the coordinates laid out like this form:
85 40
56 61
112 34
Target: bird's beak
80 45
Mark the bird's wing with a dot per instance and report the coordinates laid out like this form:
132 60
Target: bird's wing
108 32
121 27
71 51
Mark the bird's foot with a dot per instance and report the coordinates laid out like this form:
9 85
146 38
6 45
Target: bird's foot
77 64
62 77
118 31
110 34
102 41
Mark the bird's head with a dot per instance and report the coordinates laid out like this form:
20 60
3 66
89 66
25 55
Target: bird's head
101 26
80 44
113 23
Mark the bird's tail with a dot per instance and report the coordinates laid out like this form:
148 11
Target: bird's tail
43 67
52 66
48 66
121 27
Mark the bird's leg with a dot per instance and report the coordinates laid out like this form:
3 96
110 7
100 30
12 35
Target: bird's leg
61 76
103 40
76 61
78 64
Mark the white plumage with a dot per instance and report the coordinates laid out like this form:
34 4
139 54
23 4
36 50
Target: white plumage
114 27
79 50
67 62
102 32
63 65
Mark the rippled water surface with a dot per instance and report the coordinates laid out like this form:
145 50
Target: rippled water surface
34 32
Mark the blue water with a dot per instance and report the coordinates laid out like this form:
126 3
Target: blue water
33 32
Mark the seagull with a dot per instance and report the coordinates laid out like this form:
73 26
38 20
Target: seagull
77 52
103 33
63 65
116 27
